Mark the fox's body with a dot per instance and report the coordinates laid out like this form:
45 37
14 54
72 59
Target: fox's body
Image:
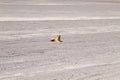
56 39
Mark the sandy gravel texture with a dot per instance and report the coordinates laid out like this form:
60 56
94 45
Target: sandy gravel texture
90 33
79 57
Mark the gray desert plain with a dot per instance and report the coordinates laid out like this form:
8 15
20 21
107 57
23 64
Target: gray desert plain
90 31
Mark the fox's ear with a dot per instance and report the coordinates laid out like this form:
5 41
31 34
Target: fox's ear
59 35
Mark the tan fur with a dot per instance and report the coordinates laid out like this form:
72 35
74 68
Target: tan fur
56 39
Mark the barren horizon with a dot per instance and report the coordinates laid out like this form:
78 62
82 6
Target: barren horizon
89 29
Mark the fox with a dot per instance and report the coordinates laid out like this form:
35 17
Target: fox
56 39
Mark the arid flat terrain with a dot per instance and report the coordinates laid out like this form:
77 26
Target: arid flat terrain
90 33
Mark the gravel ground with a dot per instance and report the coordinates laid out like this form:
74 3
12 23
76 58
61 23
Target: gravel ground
90 33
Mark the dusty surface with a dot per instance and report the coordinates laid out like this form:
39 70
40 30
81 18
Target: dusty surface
90 32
